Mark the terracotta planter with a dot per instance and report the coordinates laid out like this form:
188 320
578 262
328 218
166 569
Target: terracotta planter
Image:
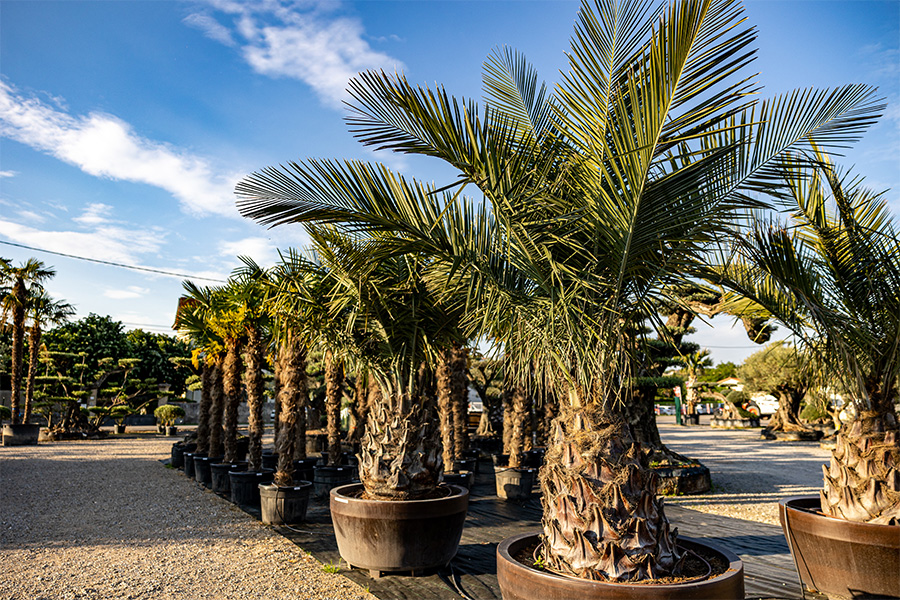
524 582
514 484
284 505
405 535
838 558
21 434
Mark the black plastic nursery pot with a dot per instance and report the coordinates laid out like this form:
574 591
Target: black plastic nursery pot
519 581
178 450
284 505
202 471
21 434
466 464
245 486
398 535
326 479
304 469
514 484
119 429
221 482
270 460
189 463
171 430
461 478
838 558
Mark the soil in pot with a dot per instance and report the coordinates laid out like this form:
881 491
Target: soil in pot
284 505
393 536
202 472
245 486
514 484
327 478
838 558
519 579
221 482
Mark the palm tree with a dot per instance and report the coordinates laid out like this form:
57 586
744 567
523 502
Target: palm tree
831 274
31 272
596 198
694 363
42 310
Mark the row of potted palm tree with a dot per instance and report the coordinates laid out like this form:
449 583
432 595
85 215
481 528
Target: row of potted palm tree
591 201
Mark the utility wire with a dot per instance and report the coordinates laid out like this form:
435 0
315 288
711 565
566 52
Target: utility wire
113 264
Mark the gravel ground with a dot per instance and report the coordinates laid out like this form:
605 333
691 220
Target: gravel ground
749 475
105 520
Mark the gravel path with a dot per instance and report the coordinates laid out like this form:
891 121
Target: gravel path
105 520
749 475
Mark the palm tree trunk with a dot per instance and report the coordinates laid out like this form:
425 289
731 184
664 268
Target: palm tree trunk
400 458
459 393
507 417
253 383
602 519
519 403
360 407
445 409
276 393
334 378
217 406
205 405
18 349
291 395
34 346
231 385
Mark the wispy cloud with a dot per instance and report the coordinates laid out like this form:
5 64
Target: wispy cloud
7 174
116 244
103 145
260 249
95 214
128 293
303 41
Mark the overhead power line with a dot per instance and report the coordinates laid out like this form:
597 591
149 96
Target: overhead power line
112 264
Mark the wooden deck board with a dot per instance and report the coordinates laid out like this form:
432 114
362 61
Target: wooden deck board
769 569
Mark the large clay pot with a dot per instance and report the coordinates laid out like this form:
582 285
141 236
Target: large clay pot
202 472
245 486
401 535
21 434
523 582
284 505
839 558
221 481
514 484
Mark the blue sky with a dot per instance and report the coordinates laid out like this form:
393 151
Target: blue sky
125 125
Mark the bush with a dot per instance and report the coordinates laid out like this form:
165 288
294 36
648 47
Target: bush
5 412
167 413
739 399
814 411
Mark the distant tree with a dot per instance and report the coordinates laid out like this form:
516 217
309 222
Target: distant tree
721 371
779 369
158 353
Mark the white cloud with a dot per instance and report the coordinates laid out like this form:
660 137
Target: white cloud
30 215
131 291
114 244
281 39
95 214
105 146
210 28
260 249
7 174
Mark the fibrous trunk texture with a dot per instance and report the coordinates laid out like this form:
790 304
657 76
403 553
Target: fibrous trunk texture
276 387
18 350
360 407
787 418
205 405
459 399
231 385
34 346
602 520
862 483
400 458
507 417
519 407
292 399
334 379
253 383
216 408
640 415
445 408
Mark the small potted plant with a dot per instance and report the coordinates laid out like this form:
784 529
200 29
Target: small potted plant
166 415
119 414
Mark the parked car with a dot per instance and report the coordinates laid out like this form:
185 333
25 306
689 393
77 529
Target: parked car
665 409
762 405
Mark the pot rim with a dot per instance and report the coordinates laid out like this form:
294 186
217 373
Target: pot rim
283 488
735 565
338 495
